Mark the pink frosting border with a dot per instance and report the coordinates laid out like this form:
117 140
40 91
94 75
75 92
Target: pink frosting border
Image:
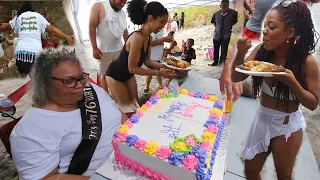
136 167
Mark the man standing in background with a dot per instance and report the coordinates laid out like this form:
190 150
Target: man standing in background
223 20
107 26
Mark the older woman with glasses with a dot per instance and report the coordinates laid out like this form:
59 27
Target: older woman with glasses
289 39
67 132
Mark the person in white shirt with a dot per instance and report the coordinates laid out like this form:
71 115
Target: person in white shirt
156 55
46 138
29 26
107 26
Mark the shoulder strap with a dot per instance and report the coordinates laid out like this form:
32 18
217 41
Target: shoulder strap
91 131
131 34
147 45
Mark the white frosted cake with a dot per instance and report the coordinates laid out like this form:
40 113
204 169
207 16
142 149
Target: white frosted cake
175 135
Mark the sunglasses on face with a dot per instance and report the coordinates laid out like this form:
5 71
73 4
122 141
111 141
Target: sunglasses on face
72 82
287 3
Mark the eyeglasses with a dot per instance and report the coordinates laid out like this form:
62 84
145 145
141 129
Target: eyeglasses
72 82
287 3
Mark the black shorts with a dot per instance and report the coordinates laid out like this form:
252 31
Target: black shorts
24 62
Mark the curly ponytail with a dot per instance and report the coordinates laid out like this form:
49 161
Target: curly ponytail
139 10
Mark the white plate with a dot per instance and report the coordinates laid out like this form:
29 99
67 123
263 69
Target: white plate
260 74
176 68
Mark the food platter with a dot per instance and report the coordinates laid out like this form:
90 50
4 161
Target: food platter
176 64
260 68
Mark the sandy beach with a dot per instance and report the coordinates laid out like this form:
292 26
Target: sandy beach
202 36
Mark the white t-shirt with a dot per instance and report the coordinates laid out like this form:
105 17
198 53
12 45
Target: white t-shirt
156 51
44 140
29 26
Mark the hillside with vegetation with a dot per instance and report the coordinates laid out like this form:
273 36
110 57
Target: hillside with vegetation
52 10
197 16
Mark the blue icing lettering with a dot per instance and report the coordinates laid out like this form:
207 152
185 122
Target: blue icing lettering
173 131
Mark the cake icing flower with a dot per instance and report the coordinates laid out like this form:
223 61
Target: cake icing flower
180 146
153 100
213 98
144 108
140 144
217 111
150 148
218 104
191 94
191 141
190 162
163 152
134 118
160 92
131 139
211 122
175 158
148 104
198 95
157 96
122 137
212 128
128 123
184 92
139 113
123 129
205 96
208 136
206 146
170 95
198 151
200 172
214 116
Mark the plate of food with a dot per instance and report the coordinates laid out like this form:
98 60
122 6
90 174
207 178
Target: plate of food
176 64
260 68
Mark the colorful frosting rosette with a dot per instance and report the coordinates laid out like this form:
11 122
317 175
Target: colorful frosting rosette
179 145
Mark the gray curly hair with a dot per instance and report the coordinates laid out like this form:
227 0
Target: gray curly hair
42 71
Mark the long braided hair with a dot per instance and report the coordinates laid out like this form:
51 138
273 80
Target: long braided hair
303 43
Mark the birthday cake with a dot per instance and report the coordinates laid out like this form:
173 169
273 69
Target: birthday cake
174 135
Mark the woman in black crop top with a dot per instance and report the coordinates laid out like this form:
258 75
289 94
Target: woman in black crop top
120 75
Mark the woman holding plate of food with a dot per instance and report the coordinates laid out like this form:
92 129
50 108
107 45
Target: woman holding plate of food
289 39
136 51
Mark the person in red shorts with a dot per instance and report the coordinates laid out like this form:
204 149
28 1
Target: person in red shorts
253 27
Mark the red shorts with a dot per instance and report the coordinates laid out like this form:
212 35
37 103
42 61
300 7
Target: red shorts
250 34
